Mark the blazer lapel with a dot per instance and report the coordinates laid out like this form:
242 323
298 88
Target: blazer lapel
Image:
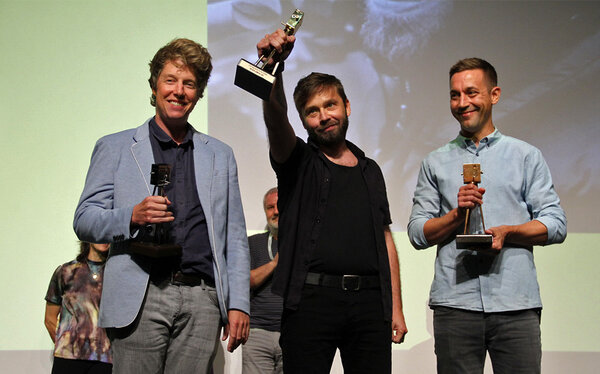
204 159
141 150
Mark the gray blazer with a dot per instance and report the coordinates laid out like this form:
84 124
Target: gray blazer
119 178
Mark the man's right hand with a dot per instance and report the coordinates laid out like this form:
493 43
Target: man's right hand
153 209
279 41
469 196
438 229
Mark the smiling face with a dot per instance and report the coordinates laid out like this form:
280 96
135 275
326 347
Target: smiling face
325 117
176 95
471 101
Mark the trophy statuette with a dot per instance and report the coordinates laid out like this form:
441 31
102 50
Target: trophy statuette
252 77
154 238
480 242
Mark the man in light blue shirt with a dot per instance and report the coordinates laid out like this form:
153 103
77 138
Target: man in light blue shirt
481 301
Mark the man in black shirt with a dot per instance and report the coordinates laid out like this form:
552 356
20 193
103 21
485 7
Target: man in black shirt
338 268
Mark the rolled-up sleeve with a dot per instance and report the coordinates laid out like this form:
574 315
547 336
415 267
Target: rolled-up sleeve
543 201
426 205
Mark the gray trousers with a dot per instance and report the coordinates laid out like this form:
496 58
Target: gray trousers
462 338
176 332
261 354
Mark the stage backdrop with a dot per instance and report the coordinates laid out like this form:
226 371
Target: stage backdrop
74 71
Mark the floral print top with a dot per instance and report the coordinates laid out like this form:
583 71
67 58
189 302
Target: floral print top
77 288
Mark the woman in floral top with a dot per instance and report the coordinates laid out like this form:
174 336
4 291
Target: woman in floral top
72 302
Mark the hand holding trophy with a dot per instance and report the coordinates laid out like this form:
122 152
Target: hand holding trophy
481 242
154 240
257 78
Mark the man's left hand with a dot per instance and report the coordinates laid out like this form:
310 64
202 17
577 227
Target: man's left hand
237 330
399 329
499 234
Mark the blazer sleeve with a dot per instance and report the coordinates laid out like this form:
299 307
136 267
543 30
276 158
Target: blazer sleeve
237 252
97 219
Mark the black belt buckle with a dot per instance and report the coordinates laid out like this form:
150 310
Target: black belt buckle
351 282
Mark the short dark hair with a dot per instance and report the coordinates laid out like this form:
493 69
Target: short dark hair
473 63
313 83
192 55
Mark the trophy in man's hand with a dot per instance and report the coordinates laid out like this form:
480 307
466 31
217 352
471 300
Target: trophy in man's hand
481 242
154 238
253 77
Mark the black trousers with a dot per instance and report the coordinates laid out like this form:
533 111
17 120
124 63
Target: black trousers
66 366
330 318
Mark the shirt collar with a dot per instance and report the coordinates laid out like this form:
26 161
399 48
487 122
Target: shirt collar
165 139
487 140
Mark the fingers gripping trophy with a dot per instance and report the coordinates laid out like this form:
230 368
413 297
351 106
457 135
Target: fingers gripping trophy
482 242
155 241
253 77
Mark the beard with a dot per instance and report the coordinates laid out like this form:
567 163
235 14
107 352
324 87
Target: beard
330 138
273 227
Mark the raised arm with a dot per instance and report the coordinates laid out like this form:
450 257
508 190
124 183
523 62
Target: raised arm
282 138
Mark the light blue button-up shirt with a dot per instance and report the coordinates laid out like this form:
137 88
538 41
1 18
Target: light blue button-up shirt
518 189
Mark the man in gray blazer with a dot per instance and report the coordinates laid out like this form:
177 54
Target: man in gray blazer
164 314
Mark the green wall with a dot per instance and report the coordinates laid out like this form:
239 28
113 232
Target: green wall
71 71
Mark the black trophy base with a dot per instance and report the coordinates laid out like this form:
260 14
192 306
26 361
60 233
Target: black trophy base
155 250
477 242
254 80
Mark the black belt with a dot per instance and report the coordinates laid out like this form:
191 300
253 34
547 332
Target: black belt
177 277
345 282
191 279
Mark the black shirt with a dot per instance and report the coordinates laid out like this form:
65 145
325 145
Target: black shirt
189 228
303 194
347 242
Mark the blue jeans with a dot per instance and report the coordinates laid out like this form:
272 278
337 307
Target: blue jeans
462 338
176 331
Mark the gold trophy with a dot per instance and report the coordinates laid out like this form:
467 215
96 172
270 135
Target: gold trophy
154 239
253 77
480 242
